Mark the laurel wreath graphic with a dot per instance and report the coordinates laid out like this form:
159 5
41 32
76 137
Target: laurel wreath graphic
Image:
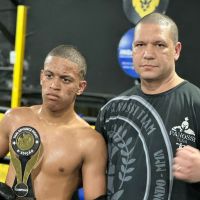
126 147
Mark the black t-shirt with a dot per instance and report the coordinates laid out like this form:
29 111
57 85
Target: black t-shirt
143 132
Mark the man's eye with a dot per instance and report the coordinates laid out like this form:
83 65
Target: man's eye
139 45
66 80
48 75
160 45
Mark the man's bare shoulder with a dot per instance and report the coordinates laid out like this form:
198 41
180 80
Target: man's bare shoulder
16 117
19 112
91 139
93 147
86 130
13 118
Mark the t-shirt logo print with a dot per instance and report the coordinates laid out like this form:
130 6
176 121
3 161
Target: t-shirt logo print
126 147
183 133
131 125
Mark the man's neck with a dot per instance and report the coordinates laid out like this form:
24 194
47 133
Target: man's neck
156 87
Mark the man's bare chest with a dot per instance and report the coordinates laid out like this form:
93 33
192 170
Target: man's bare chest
61 155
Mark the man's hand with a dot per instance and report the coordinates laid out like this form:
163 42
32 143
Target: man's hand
186 164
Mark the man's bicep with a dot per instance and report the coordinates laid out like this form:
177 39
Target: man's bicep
94 170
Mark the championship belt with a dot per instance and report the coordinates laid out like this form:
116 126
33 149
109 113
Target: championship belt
25 152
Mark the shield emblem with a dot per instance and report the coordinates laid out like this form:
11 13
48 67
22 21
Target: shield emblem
136 9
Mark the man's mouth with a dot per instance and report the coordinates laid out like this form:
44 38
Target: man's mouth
52 96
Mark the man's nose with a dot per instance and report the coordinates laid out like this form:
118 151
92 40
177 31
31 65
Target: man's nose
149 52
55 84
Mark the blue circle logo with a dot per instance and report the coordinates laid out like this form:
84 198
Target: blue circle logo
125 54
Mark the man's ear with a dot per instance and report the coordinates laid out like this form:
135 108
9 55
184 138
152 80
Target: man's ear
178 48
41 75
82 86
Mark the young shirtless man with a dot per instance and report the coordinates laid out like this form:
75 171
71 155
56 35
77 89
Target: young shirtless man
72 152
